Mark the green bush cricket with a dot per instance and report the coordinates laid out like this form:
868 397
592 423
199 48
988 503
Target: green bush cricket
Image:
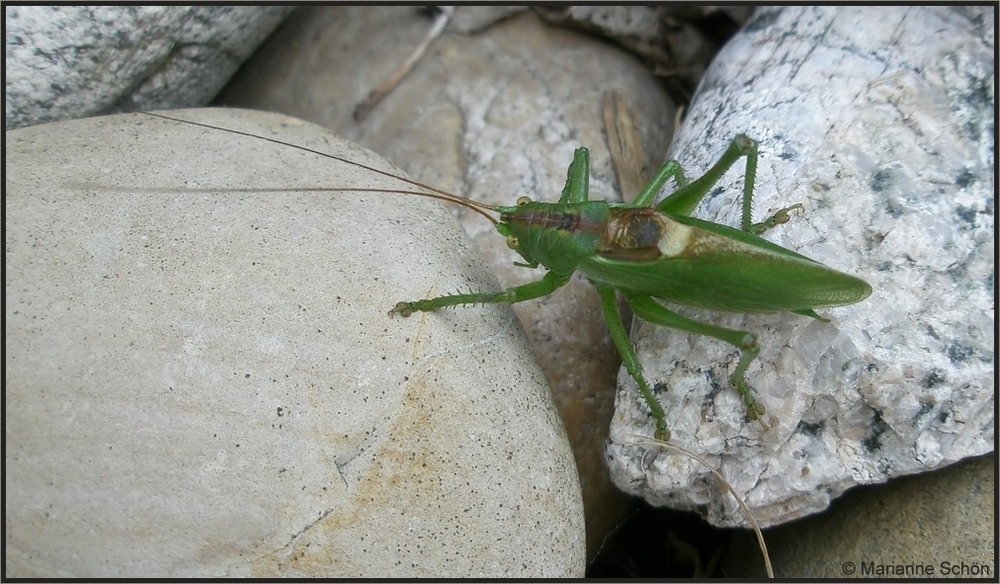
644 252
647 252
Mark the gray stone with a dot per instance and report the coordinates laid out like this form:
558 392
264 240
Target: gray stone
493 116
202 378
940 524
66 62
881 122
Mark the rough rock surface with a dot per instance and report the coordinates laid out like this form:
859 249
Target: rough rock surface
64 62
880 122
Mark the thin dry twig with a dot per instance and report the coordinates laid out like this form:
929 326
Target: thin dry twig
625 145
364 108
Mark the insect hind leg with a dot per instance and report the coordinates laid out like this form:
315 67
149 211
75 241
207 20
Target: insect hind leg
651 311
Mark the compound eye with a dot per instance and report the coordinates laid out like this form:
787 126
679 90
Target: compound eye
523 201
512 242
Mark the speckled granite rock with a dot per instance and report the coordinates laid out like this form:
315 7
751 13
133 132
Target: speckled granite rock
880 121
64 62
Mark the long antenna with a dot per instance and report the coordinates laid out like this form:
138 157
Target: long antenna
434 193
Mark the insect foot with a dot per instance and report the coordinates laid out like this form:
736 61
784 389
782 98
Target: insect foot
403 309
779 217
749 349
755 411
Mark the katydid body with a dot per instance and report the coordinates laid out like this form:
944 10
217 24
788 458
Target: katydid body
646 252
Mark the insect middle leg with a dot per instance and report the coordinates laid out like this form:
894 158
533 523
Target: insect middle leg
687 196
631 362
652 311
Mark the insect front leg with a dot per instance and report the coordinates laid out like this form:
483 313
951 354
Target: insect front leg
670 169
651 311
547 285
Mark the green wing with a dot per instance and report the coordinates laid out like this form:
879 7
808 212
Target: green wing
733 271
